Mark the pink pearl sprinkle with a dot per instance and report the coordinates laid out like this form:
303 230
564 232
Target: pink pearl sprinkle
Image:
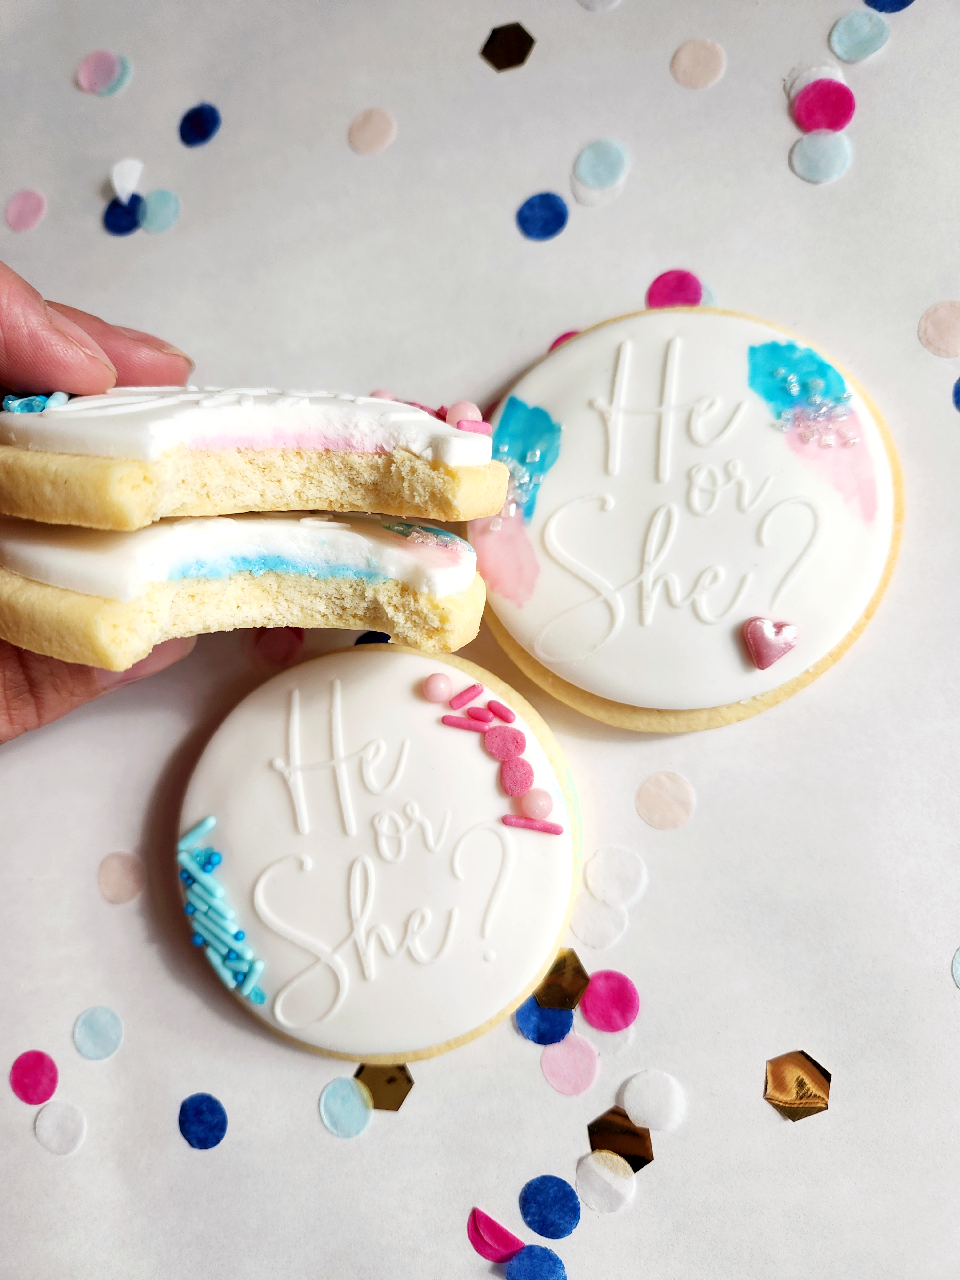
536 804
437 688
480 713
516 776
824 104
478 428
464 722
532 824
466 695
25 209
501 712
380 394
463 411
504 743
675 289
564 337
98 71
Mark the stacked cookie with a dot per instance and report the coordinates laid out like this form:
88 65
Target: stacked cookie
148 513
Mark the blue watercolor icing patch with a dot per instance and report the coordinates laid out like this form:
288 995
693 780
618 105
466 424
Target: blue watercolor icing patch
550 1206
258 565
528 441
859 34
543 1026
542 216
534 1262
199 124
123 219
791 378
203 1121
98 1033
346 1107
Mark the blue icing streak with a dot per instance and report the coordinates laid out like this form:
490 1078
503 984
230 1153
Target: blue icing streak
789 378
528 440
271 564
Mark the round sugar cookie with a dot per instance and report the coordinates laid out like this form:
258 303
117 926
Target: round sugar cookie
703 514
352 867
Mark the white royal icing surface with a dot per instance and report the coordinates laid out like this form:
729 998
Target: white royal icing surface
121 566
147 422
364 856
679 507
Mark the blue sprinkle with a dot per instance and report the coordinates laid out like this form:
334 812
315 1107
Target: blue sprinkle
601 164
821 156
98 1033
199 125
257 996
955 968
123 219
198 939
208 867
344 1107
57 399
372 637
190 909
25 404
536 1263
232 955
184 876
857 35
543 1026
543 216
203 1121
216 858
956 405
889 6
159 211
240 935
550 1206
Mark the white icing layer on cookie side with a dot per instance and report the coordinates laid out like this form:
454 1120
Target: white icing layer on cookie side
364 856
147 422
121 566
682 502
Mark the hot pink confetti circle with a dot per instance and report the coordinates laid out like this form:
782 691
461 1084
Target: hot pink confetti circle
570 1066
675 289
25 209
34 1076
491 1241
611 1001
824 104
98 71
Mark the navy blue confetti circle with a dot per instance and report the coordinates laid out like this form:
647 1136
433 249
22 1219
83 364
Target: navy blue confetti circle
543 1026
536 1263
543 216
199 125
372 637
550 1207
888 6
956 395
203 1121
122 219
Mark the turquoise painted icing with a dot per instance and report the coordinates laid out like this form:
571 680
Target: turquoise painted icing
271 564
528 440
789 378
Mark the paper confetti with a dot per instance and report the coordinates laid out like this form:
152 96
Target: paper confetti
491 1241
34 1076
550 1207
98 1033
199 125
654 1100
665 800
535 1262
371 131
858 35
60 1127
821 156
388 1086
125 178
939 329
542 1026
543 216
25 209
346 1107
159 211
507 47
675 289
824 104
595 923
572 1066
120 877
123 219
616 876
564 984
202 1121
796 1085
605 1182
600 172
611 1001
98 71
698 64
614 1131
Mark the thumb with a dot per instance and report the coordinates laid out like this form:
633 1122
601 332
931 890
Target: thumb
42 350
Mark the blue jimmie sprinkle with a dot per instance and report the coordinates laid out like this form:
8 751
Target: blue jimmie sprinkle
216 858
25 404
528 441
256 995
240 935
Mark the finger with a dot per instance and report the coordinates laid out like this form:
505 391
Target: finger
35 690
141 360
42 350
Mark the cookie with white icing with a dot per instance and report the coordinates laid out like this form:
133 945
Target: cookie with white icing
703 514
107 598
137 454
358 868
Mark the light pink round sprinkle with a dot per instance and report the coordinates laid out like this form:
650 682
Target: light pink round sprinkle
504 743
611 1001
536 804
675 289
25 209
516 776
571 1066
98 71
380 394
463 411
437 688
120 877
564 337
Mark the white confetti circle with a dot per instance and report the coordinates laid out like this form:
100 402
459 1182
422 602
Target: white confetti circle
605 1181
60 1128
616 875
597 923
654 1100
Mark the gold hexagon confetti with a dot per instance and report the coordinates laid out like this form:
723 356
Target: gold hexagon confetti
797 1085
615 1131
388 1086
564 984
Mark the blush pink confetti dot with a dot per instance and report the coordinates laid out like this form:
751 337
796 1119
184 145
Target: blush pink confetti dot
532 824
34 1076
480 713
675 289
380 394
501 712
824 104
466 695
571 1066
504 743
536 804
464 722
611 1001
463 411
25 209
491 1241
564 337
516 776
437 688
98 71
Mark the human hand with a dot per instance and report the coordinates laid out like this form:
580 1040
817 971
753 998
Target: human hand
46 347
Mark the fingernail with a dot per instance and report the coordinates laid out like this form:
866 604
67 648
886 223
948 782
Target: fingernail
157 344
79 338
158 659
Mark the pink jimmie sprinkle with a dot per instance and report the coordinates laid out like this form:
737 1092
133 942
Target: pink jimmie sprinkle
501 712
480 713
462 722
532 824
467 695
479 428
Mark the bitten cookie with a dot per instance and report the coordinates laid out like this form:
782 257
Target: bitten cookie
137 454
108 598
704 512
358 863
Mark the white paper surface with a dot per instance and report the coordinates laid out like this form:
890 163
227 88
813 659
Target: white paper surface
814 899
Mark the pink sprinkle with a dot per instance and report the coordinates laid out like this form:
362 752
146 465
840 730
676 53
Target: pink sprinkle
462 722
98 71
463 411
611 1001
564 337
478 428
824 104
25 209
480 713
34 1076
491 1241
516 776
380 394
675 289
467 695
437 688
501 712
532 824
571 1066
504 743
536 804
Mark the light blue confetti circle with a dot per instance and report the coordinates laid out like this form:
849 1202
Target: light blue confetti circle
601 164
98 1033
859 34
707 297
159 211
345 1107
821 156
955 967
122 78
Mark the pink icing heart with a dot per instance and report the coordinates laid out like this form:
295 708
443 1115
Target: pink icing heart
767 641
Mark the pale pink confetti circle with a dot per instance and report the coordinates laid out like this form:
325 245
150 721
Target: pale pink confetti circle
570 1066
939 329
120 877
698 64
611 1001
98 71
666 800
25 209
371 131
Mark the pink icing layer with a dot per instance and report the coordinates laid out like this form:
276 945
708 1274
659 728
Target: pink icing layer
506 559
848 468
